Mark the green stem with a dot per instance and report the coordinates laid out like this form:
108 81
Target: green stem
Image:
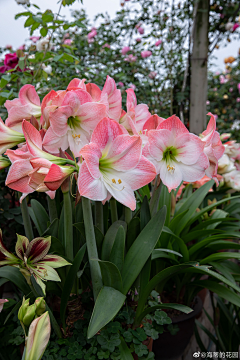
99 215
68 226
24 353
91 247
113 207
52 209
154 202
26 220
128 214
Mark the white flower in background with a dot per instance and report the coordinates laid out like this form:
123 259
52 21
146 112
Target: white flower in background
236 125
225 164
47 68
232 149
23 2
229 26
42 44
232 179
32 56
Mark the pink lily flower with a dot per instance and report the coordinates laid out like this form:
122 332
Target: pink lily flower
24 107
9 137
113 97
213 148
31 258
73 121
113 165
2 302
136 115
177 154
76 84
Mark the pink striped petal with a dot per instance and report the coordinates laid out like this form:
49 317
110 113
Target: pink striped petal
59 119
76 84
217 146
142 114
94 91
189 147
28 94
90 114
131 99
125 152
114 98
125 195
196 171
56 175
159 140
171 179
91 155
52 142
89 187
18 176
209 132
33 138
174 125
152 122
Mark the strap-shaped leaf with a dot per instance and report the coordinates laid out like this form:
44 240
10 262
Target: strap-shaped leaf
107 305
111 275
220 256
145 215
70 281
117 252
14 275
132 232
39 216
109 239
52 229
124 350
141 249
182 246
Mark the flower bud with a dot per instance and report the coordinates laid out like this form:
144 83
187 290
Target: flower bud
23 309
30 314
40 306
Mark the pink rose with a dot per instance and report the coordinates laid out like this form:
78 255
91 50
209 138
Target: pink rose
141 30
125 50
92 34
152 74
238 99
106 46
230 89
8 47
235 26
132 86
34 38
157 43
146 54
22 47
10 61
207 102
131 58
121 84
138 40
68 42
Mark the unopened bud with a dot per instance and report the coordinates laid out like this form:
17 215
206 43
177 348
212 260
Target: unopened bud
23 309
40 306
30 314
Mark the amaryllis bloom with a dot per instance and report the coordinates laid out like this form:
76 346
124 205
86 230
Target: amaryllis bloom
9 137
225 165
232 179
213 148
73 122
68 41
225 136
24 107
235 26
197 184
31 258
146 54
2 302
113 165
10 62
158 42
140 30
125 50
176 153
92 34
34 38
136 115
113 97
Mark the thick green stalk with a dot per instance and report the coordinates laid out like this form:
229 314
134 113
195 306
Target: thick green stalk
128 214
154 202
113 207
26 220
68 226
24 353
52 209
91 247
99 215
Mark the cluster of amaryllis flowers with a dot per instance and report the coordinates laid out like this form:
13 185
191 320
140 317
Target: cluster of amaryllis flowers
114 152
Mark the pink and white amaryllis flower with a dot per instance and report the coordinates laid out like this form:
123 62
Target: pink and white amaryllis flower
31 166
113 97
9 137
213 147
136 115
113 165
176 153
31 258
73 122
24 107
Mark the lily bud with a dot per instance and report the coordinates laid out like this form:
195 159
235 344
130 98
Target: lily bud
38 337
30 314
40 306
23 309
4 162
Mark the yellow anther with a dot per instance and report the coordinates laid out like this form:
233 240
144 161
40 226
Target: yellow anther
76 136
140 132
113 181
119 181
171 169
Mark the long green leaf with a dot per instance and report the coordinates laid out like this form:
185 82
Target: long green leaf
111 275
109 239
117 252
124 350
220 256
14 275
201 244
145 215
223 245
182 246
107 305
132 232
200 233
39 216
142 249
70 281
